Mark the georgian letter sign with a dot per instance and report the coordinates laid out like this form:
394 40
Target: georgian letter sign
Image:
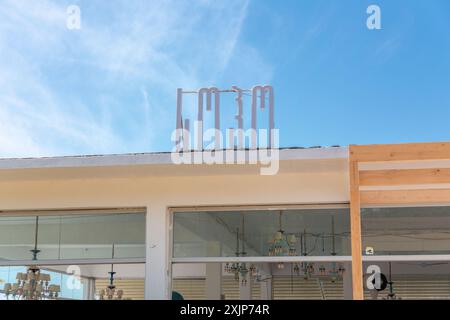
261 96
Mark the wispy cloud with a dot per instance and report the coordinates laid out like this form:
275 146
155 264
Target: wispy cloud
108 87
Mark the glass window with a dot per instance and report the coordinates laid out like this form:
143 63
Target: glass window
407 280
8 276
410 230
16 237
312 232
261 281
90 282
73 236
85 237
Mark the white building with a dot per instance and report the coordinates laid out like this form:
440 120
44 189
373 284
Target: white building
193 228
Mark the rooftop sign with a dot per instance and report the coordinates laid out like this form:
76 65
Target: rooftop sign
260 143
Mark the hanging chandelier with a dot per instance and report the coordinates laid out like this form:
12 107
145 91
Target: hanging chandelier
337 269
240 270
391 295
110 293
304 268
32 285
282 244
307 269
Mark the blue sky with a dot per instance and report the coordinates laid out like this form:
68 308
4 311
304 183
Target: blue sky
110 86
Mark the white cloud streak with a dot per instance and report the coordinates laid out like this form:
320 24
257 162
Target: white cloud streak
93 90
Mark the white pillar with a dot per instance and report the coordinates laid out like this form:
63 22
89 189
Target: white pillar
157 248
266 289
266 284
89 289
347 281
213 281
213 273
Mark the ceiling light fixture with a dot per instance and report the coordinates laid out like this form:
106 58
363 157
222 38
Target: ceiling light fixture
32 285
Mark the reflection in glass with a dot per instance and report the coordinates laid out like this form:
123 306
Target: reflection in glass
83 282
73 236
8 276
199 281
410 230
407 280
303 232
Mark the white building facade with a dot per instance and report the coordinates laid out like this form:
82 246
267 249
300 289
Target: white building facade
204 231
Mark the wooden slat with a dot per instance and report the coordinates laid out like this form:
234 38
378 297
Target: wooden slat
391 197
355 228
400 152
403 177
393 152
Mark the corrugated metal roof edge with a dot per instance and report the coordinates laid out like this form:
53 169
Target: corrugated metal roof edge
156 158
148 153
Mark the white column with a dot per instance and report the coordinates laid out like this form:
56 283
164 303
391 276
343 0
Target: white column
347 281
89 289
266 289
266 284
213 281
157 248
213 273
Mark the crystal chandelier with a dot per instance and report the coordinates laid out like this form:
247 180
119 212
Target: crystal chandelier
282 244
337 269
305 268
32 285
110 293
240 270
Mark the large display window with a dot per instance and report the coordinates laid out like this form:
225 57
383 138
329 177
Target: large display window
72 254
406 230
66 236
407 280
73 282
408 250
264 281
298 252
310 231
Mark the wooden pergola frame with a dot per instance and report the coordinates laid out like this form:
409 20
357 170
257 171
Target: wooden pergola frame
394 186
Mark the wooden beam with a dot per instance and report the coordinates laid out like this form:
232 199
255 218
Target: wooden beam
387 197
355 229
400 152
403 177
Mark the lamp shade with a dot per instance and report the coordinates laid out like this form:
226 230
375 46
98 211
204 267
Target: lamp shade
21 276
44 277
54 288
292 239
